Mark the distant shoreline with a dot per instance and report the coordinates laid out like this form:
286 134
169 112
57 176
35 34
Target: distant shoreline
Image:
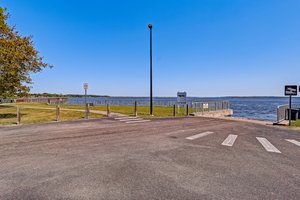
108 96
188 96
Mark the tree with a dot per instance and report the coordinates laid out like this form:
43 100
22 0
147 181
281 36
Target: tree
18 58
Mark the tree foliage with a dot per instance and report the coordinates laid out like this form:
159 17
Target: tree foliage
18 58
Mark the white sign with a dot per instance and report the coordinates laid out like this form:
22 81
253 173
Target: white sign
181 97
86 86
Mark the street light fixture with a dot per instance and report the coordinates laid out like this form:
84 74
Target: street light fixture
151 100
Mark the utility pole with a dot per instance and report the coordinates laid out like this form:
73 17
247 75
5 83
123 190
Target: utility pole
151 100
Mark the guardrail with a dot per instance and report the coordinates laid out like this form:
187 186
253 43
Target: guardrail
123 102
49 100
282 113
201 107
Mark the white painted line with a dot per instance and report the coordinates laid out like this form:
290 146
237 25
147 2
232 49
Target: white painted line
199 135
180 131
229 141
294 142
125 118
132 122
267 145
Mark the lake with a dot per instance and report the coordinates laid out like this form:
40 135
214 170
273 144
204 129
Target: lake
263 108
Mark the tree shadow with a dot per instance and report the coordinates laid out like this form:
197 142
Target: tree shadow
7 116
5 106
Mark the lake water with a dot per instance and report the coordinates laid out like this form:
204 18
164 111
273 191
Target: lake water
259 108
263 108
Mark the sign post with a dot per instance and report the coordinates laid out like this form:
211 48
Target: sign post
86 87
290 90
181 100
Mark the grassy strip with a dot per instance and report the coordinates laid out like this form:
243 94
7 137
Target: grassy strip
38 115
32 116
296 123
143 111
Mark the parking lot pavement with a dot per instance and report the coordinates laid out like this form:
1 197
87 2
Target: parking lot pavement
182 158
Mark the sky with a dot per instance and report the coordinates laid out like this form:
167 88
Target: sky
208 48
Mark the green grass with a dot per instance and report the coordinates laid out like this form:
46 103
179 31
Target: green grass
35 112
8 114
143 111
296 123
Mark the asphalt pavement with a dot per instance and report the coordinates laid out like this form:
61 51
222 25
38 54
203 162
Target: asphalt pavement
174 158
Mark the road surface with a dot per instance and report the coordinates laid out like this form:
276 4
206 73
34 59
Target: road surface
128 158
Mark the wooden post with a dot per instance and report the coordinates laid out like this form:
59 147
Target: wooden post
187 109
18 115
174 110
57 113
135 109
290 111
87 111
108 110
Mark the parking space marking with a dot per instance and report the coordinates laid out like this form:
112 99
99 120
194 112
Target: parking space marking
141 121
294 142
229 141
267 145
193 137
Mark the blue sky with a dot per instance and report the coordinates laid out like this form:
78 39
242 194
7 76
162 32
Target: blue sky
204 47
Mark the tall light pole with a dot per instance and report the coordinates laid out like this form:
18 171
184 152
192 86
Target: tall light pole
151 100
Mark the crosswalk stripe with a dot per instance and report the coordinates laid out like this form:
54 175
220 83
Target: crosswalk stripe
199 135
132 122
267 145
180 131
135 119
294 142
125 118
229 141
